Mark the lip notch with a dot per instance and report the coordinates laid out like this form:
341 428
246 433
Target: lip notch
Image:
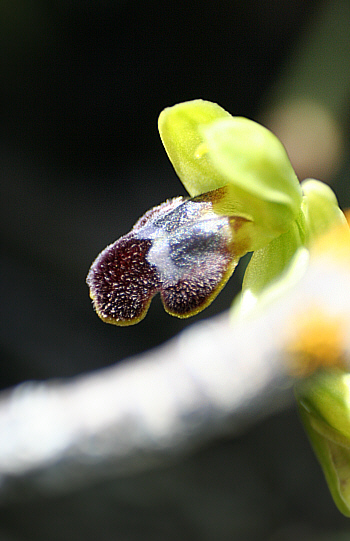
181 248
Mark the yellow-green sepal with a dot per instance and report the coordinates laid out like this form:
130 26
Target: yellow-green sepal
320 208
257 171
210 149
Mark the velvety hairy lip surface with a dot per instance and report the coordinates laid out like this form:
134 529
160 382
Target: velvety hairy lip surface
180 248
122 282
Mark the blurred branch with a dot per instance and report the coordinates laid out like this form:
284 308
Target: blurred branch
216 377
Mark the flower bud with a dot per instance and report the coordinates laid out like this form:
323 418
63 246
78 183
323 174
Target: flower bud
324 405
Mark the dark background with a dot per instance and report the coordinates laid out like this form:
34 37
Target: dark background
82 85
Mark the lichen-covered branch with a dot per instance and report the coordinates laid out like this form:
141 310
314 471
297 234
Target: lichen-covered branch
218 376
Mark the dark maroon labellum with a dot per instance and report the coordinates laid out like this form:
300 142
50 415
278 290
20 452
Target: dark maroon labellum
181 248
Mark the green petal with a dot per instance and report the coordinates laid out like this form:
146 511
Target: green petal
250 157
180 131
320 207
261 182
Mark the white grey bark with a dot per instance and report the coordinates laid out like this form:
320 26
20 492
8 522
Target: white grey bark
216 377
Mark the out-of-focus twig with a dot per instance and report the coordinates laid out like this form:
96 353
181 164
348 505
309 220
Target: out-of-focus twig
216 377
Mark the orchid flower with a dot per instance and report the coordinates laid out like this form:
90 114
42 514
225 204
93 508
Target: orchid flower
244 196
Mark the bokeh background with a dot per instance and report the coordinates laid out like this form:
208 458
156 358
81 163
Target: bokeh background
82 85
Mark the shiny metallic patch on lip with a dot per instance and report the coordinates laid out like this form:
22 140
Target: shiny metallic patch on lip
180 248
